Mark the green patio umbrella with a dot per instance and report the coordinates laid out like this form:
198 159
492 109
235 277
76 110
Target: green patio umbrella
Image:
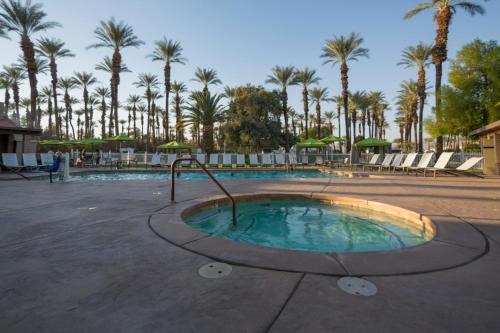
310 143
120 138
331 139
91 142
372 142
51 142
174 145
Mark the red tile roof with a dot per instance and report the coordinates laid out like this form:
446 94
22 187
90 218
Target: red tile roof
7 123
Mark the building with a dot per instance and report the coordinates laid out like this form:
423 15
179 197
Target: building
490 147
15 139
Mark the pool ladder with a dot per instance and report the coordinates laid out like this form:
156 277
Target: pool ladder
208 173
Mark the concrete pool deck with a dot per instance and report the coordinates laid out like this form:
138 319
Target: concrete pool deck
81 257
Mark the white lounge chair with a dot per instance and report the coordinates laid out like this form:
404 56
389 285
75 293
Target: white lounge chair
30 161
398 158
441 163
266 159
186 163
385 163
319 160
214 160
155 160
304 160
253 159
422 164
280 159
462 170
373 161
408 162
240 160
227 160
10 160
201 158
292 158
47 159
170 159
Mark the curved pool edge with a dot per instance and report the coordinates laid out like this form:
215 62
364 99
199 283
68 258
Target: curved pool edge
456 243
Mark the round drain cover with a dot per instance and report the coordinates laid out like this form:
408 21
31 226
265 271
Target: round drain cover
357 286
215 270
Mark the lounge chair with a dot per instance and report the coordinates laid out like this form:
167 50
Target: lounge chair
385 163
128 158
170 159
319 160
47 159
266 160
214 160
186 163
408 162
227 160
463 169
292 158
240 160
253 159
30 161
398 158
11 162
304 160
373 161
441 163
155 160
280 159
201 158
422 164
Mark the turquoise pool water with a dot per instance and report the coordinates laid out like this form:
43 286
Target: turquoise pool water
199 175
309 225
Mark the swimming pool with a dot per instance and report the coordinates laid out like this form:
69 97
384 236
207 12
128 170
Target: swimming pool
188 175
310 225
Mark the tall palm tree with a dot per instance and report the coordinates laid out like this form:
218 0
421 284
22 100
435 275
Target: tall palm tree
6 84
341 50
407 101
134 100
26 19
356 101
306 77
284 76
53 49
102 93
79 133
84 80
66 84
46 94
419 56
178 88
142 110
206 76
26 104
206 109
444 10
116 36
16 75
339 101
148 82
329 115
169 52
155 95
93 102
107 66
318 96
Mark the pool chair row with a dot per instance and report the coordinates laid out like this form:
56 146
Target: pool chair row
226 160
29 161
406 164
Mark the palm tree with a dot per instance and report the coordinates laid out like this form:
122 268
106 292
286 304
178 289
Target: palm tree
16 75
102 93
341 50
92 103
26 19
419 56
329 115
46 94
318 96
206 77
148 82
6 84
122 122
168 51
84 80
116 36
178 88
67 84
306 77
142 110
155 95
205 109
79 132
407 102
443 13
356 101
284 77
339 101
134 100
53 49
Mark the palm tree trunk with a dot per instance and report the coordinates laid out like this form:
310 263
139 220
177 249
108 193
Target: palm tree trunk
15 92
6 103
167 95
116 61
49 111
208 137
318 120
134 116
422 96
86 111
439 74
305 99
148 118
103 118
345 96
284 96
29 57
338 118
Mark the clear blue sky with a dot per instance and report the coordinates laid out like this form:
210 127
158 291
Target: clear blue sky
243 40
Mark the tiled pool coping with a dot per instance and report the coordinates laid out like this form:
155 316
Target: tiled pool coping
455 243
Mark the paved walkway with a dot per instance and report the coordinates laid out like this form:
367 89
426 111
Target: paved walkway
80 257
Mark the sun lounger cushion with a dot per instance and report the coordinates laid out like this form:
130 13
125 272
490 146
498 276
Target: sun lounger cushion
29 160
214 159
253 159
266 159
469 163
240 159
10 160
226 159
200 158
280 159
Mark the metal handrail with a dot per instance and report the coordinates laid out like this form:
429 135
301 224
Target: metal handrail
172 182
